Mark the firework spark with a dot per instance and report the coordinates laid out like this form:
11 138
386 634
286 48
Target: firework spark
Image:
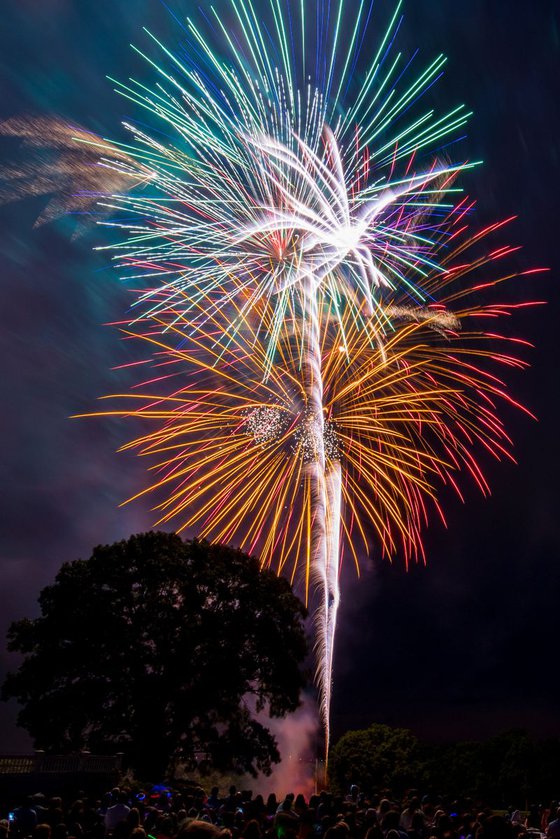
232 449
300 285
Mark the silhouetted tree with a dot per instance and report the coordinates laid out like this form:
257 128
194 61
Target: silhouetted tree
510 768
160 648
374 758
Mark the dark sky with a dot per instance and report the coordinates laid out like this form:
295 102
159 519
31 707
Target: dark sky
462 648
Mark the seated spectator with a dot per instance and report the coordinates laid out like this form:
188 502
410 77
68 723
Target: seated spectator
417 828
391 822
200 830
494 827
353 794
118 812
287 804
252 830
59 831
384 807
39 806
408 814
133 819
42 831
553 829
300 806
25 818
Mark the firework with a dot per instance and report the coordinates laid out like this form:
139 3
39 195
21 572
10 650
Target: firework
232 449
298 280
64 162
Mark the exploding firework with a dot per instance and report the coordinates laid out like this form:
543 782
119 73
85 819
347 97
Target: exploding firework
300 285
231 448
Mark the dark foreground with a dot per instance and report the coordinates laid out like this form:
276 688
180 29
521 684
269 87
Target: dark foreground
161 813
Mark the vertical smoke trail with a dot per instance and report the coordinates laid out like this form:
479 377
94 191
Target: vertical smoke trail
325 490
331 598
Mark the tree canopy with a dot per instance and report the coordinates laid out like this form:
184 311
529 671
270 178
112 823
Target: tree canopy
375 758
510 768
162 649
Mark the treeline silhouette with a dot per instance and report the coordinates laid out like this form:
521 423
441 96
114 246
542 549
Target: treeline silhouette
511 768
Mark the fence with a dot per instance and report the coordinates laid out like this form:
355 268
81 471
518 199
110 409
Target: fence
65 775
40 763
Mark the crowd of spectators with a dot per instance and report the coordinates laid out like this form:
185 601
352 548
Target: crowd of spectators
193 814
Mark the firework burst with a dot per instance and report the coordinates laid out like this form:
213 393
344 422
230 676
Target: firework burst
232 449
320 367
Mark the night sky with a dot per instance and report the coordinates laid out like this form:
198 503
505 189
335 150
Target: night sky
468 645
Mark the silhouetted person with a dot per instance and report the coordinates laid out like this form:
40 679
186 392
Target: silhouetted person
553 829
118 812
25 818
